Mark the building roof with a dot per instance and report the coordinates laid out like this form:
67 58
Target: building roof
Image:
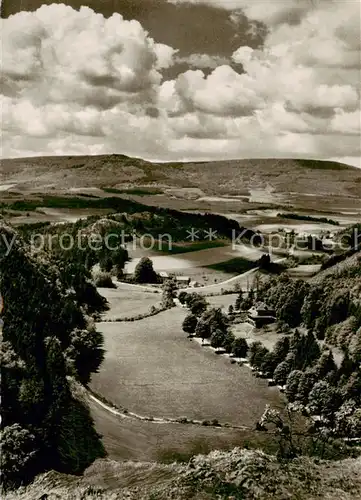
182 278
163 274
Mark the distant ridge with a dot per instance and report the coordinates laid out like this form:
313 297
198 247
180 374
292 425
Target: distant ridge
225 177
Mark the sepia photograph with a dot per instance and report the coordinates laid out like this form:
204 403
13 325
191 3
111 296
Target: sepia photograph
180 250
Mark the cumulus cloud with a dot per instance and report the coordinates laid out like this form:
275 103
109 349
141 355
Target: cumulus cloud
202 60
74 82
302 89
68 73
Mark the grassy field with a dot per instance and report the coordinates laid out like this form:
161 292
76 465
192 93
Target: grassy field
244 281
204 258
126 439
236 266
223 301
179 248
125 302
267 335
151 368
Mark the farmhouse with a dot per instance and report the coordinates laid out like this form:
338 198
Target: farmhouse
182 280
261 314
164 276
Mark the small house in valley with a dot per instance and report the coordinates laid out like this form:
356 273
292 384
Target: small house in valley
261 314
182 281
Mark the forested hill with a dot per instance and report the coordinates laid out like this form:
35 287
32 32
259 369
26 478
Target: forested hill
48 336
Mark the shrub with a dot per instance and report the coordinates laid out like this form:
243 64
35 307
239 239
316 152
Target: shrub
104 280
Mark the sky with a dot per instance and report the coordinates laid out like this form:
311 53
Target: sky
182 80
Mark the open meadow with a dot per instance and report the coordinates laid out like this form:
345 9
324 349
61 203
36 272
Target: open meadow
130 439
199 258
128 301
151 368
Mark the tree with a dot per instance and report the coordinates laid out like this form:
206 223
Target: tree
325 365
106 264
198 306
320 327
307 381
284 429
324 399
348 365
240 347
281 373
311 350
169 293
268 364
18 454
311 306
86 352
190 323
239 301
356 347
217 339
264 262
292 383
249 300
257 353
196 303
203 329
182 297
210 321
281 349
348 420
228 341
352 388
38 354
144 272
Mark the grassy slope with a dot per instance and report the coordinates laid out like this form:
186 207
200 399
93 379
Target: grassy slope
151 368
125 304
239 474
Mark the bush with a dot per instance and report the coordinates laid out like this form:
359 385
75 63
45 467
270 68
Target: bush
104 280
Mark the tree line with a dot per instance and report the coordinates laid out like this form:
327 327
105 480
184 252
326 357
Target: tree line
49 339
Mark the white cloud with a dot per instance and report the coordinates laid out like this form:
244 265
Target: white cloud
74 82
202 61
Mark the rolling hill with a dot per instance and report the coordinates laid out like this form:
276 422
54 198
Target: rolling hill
240 178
